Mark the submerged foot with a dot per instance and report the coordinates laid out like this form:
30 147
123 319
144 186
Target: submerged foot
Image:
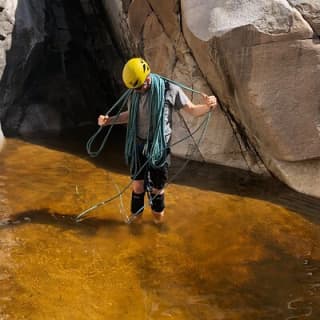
135 218
158 218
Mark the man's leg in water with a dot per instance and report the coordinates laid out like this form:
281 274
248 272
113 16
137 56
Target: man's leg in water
138 184
137 200
159 178
157 197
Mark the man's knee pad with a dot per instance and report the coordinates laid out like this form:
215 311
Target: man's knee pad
157 204
137 202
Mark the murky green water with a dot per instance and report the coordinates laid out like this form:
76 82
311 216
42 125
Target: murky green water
228 249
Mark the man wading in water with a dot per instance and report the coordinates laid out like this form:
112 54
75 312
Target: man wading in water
149 119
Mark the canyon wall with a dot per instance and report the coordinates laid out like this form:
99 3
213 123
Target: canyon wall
60 62
261 59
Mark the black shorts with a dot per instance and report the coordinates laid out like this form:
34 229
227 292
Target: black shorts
157 177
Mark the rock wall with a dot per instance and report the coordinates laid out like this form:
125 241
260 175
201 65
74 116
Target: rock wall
153 29
54 65
262 60
2 139
59 65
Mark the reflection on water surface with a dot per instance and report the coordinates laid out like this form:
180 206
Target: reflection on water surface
227 250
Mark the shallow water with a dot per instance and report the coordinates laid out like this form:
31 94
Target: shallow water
230 248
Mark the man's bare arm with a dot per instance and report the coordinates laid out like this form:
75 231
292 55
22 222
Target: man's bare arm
106 120
197 110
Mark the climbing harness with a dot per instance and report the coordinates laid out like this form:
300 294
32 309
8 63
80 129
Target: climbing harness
155 148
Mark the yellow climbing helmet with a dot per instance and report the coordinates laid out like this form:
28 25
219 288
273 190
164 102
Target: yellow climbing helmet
135 72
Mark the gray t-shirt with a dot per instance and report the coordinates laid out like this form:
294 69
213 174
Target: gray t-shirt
175 98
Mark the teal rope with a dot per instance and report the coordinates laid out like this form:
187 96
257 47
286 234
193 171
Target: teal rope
204 124
181 85
156 146
124 99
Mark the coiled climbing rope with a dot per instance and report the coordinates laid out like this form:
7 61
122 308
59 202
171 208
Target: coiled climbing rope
156 147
